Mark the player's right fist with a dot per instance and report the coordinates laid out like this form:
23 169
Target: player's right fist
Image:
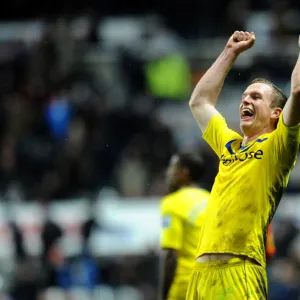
241 41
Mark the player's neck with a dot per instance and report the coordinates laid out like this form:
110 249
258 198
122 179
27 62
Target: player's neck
184 185
249 139
252 137
190 184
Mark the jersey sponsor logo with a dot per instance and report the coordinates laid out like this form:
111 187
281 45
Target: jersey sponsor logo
228 147
228 161
242 155
243 148
166 221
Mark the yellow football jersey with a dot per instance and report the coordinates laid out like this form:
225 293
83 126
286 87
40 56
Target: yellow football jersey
182 215
247 189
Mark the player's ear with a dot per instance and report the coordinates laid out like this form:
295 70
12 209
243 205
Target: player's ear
186 172
276 112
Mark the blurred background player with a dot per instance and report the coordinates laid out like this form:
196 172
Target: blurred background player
182 214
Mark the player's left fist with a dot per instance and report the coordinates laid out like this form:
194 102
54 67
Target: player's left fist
241 41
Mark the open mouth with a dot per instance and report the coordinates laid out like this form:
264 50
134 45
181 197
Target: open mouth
246 114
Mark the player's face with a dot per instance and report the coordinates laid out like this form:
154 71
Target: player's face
256 113
173 173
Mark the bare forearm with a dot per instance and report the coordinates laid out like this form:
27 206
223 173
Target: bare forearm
291 111
166 284
206 93
167 273
295 80
208 88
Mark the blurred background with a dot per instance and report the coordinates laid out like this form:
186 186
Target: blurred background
93 102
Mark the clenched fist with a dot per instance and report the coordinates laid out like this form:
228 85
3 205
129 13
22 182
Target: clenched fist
241 41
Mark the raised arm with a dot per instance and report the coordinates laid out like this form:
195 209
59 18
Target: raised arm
291 111
206 92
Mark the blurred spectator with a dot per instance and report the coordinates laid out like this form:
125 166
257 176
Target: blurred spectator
283 283
81 272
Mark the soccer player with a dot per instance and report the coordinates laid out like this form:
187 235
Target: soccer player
253 172
182 216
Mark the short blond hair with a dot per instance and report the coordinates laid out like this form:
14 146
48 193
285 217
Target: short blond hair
280 98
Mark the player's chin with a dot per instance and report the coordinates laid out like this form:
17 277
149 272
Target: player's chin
246 122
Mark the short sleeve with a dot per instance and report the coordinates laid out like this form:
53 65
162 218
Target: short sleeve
172 229
285 141
217 134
